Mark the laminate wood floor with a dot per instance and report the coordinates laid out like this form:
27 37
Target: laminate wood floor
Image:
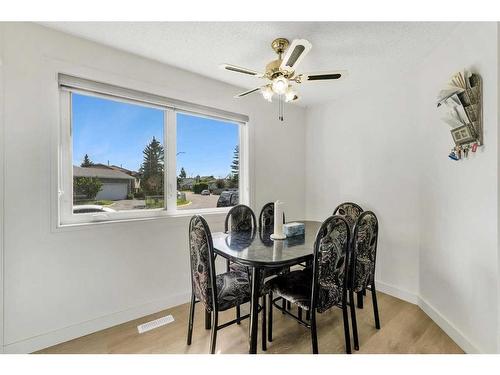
405 328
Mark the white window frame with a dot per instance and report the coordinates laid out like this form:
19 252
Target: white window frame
170 107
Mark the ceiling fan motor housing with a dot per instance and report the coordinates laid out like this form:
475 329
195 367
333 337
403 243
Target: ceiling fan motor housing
273 70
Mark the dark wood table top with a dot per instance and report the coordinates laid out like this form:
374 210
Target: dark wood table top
257 249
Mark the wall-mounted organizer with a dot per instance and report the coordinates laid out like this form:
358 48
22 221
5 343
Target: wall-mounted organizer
462 103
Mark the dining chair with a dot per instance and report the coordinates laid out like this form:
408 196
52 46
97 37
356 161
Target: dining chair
240 218
349 211
266 217
216 292
323 287
364 254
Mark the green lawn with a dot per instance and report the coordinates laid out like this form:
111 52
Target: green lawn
102 202
181 202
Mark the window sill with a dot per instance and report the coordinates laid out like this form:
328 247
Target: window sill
172 217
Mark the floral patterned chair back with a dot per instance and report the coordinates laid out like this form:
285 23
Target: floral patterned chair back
364 245
266 217
202 261
330 263
241 218
349 211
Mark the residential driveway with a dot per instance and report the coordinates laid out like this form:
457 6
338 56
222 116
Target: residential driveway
199 201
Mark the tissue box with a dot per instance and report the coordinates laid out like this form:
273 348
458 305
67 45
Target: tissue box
293 229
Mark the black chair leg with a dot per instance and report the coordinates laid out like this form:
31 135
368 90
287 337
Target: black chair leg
288 305
308 315
270 319
228 268
207 320
264 313
238 314
191 319
360 299
347 334
375 306
299 311
314 333
213 336
283 306
364 292
353 320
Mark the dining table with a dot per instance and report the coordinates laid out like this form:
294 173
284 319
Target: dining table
256 250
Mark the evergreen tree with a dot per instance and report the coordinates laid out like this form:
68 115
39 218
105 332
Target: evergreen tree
152 168
87 162
235 166
183 173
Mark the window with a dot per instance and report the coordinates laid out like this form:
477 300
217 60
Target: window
207 162
127 154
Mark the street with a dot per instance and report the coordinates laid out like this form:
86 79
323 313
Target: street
199 201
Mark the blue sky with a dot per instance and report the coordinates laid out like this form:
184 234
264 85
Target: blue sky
118 132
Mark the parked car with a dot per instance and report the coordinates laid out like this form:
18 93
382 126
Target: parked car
90 208
228 199
205 192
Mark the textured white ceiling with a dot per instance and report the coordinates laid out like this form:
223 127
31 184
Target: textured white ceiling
365 49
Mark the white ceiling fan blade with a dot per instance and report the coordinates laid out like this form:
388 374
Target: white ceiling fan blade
323 76
294 54
239 69
247 92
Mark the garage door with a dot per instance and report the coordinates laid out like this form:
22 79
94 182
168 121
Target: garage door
113 191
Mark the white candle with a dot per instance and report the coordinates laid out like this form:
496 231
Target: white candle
278 220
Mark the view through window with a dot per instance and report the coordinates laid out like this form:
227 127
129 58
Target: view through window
207 162
119 158
118 155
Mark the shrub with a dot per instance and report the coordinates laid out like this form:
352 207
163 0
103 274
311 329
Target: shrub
87 186
130 196
199 187
139 195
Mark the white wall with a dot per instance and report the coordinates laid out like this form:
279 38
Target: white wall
357 149
1 189
386 148
63 284
459 214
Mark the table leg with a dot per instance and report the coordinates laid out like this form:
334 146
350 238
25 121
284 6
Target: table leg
254 310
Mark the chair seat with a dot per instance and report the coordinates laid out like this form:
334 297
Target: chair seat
233 289
236 267
295 286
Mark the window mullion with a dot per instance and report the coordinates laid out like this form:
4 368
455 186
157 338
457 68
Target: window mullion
171 165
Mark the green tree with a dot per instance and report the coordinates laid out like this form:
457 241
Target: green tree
235 167
152 168
86 161
88 186
220 183
183 173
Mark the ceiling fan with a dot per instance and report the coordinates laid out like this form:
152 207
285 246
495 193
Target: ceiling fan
281 74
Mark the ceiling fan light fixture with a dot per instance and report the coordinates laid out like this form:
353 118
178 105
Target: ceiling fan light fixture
267 93
280 85
290 94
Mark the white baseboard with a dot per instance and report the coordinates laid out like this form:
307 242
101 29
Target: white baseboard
452 331
396 292
46 340
455 334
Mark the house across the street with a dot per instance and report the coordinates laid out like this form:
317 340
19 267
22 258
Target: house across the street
115 184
